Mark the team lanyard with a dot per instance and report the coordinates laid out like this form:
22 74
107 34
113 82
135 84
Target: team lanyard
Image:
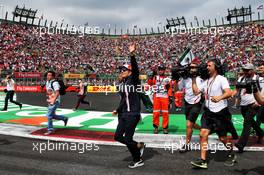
209 89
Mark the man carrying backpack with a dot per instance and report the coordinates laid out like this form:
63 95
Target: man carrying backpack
54 88
81 95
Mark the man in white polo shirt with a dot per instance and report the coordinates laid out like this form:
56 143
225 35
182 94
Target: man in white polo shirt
249 107
10 91
216 116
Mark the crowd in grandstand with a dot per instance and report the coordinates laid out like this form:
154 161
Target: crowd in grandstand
23 49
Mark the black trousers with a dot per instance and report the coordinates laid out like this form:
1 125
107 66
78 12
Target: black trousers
125 131
248 114
81 100
10 95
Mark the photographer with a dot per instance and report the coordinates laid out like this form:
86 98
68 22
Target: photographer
216 116
192 105
249 106
10 91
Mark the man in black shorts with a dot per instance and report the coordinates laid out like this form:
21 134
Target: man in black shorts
216 116
192 106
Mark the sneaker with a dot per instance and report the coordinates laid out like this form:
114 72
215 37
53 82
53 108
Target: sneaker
185 148
231 160
239 147
165 131
199 163
4 110
49 132
65 121
20 106
253 132
143 146
156 130
136 164
74 109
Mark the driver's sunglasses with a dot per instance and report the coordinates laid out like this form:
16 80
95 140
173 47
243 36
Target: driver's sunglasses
123 70
246 70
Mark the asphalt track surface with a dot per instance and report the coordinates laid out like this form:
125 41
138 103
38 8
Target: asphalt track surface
100 101
19 156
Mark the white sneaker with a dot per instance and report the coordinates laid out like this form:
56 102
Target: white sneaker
136 164
49 132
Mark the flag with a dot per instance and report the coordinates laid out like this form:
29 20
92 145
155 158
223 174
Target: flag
260 7
186 57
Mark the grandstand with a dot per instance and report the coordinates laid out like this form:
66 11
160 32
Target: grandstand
24 50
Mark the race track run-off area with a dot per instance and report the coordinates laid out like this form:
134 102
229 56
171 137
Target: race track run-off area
99 127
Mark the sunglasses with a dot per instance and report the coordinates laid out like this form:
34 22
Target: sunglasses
246 70
123 70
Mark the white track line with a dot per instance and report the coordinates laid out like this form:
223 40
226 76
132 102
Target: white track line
167 142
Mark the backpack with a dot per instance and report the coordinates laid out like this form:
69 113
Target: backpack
63 88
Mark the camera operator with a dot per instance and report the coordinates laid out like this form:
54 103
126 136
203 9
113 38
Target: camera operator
216 116
192 105
249 106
